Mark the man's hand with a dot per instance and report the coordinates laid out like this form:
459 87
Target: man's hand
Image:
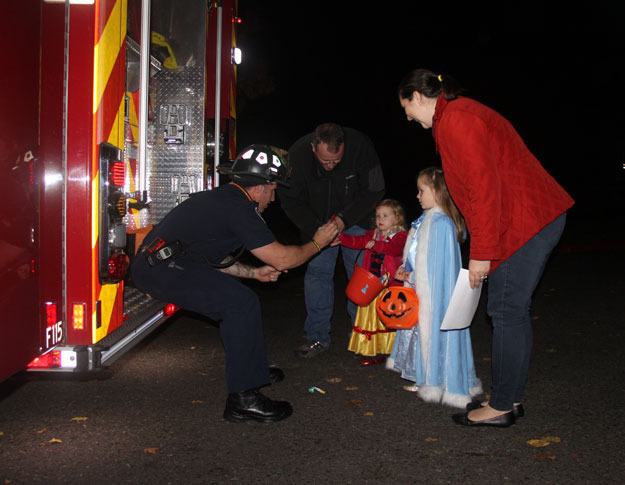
478 272
325 234
370 244
339 223
267 274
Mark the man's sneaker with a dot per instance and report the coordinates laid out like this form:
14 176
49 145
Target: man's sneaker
310 349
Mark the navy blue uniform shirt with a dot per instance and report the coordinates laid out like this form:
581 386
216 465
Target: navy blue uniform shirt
212 224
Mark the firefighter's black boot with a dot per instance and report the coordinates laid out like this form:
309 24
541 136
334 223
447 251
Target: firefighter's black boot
253 406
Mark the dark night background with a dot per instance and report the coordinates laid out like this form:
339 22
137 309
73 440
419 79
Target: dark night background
558 77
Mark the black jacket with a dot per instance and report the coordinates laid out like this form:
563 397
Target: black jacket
350 191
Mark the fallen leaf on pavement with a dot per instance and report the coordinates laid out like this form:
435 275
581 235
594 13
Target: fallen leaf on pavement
351 388
196 401
150 451
537 443
429 439
333 380
1 433
79 419
42 430
368 413
544 441
354 402
55 440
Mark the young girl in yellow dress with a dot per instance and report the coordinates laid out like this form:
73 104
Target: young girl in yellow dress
383 248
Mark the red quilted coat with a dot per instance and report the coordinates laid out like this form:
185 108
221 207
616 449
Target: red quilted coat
502 190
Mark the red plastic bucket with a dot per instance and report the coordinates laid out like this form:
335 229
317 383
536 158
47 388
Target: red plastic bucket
363 286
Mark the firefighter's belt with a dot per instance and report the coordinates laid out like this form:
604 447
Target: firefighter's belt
160 252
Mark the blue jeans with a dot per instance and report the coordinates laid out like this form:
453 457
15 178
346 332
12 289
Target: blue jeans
319 288
510 289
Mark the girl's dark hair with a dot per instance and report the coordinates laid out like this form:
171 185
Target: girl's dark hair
433 177
429 85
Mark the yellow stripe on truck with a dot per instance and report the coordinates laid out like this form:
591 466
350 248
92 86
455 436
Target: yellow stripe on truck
106 51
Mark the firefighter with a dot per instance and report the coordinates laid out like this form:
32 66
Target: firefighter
180 262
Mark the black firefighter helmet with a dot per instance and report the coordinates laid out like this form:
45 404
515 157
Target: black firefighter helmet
256 165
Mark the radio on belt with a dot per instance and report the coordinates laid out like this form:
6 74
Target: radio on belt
159 251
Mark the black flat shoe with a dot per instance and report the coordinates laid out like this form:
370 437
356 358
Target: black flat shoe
275 374
517 409
253 406
501 421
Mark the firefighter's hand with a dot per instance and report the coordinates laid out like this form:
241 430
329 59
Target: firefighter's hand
267 274
325 234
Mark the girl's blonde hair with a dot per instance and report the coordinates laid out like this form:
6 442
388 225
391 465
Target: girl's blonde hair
398 211
433 177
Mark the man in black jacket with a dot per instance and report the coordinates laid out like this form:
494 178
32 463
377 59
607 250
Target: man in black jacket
335 173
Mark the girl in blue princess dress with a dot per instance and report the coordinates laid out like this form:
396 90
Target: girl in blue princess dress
439 363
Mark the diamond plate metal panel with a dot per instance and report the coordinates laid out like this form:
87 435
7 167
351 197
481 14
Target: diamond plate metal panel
176 148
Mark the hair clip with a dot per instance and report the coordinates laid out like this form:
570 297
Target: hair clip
440 78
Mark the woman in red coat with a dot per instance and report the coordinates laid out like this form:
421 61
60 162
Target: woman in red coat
515 213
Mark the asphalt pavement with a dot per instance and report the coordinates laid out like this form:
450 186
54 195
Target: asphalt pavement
155 415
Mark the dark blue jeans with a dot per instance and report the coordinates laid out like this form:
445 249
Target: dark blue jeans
319 288
510 289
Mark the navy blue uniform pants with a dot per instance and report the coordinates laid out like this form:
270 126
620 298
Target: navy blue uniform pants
220 297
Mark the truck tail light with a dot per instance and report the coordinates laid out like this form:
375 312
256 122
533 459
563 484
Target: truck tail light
117 174
51 313
170 309
118 265
79 311
46 361
112 261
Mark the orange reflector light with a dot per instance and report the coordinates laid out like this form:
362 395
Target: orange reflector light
79 310
50 313
46 361
170 309
120 205
118 174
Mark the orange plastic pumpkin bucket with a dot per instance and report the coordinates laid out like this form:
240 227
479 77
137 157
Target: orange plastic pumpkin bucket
398 307
363 286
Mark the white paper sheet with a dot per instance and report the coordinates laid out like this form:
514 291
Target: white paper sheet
462 305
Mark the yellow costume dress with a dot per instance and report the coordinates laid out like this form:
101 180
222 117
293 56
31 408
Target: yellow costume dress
369 336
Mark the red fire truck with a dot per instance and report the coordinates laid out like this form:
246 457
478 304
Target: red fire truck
112 112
